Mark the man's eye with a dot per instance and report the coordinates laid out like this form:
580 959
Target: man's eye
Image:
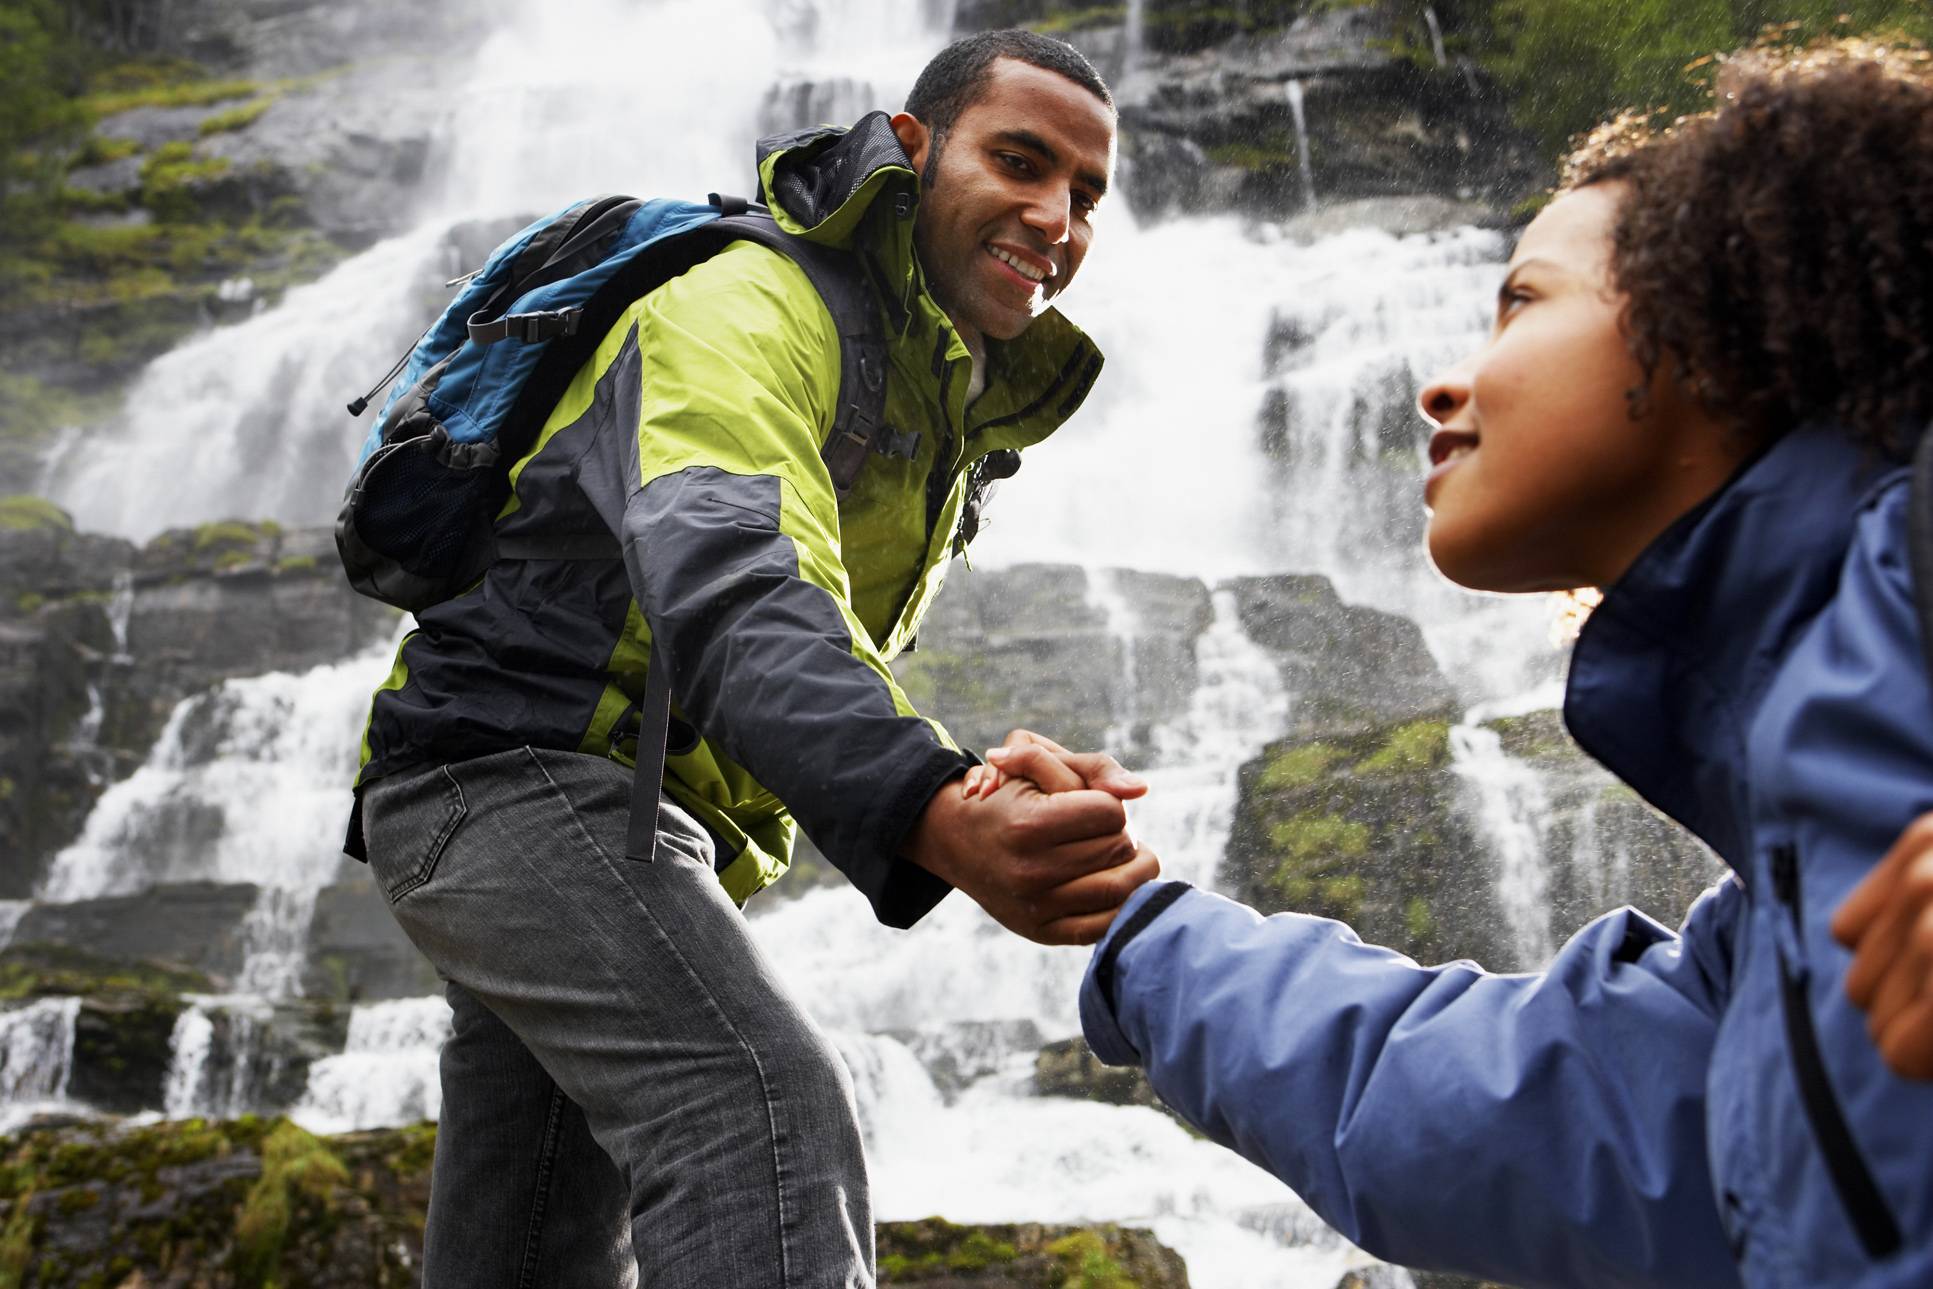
1084 203
1014 161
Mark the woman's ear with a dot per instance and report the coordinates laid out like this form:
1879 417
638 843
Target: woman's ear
915 138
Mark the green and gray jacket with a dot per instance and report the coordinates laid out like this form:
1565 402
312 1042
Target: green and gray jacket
694 435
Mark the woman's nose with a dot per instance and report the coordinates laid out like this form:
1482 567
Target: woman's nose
1444 396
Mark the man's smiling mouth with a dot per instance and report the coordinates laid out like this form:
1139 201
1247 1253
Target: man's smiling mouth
1027 269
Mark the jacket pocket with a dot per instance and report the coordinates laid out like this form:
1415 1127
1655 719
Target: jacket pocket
1852 1179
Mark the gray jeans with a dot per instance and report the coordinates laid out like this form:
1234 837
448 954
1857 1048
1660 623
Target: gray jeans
628 1078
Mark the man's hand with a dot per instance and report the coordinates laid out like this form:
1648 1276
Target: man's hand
1052 865
1887 922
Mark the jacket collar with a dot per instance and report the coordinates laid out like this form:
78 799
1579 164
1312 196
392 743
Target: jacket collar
856 188
1671 666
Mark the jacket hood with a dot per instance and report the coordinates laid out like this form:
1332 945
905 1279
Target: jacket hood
820 182
1670 666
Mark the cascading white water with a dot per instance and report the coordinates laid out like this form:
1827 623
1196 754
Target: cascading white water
1104 593
386 1074
11 911
249 783
1436 35
36 1057
1305 167
1512 806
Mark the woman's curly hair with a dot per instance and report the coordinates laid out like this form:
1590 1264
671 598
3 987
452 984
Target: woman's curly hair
1778 249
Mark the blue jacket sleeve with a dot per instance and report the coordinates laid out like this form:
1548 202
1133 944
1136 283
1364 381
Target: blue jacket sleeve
1544 1130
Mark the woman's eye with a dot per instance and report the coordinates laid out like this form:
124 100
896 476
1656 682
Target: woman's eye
1509 299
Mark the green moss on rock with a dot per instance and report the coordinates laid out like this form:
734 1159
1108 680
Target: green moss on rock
1415 748
237 118
50 970
22 511
1367 828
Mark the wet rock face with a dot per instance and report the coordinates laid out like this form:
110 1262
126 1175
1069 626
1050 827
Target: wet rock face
1023 647
1368 828
1261 107
284 37
1352 669
357 953
204 605
1069 1068
195 924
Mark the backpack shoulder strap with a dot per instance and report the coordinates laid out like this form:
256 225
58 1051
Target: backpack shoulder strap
1919 539
859 425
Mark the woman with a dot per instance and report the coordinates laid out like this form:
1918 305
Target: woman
1711 352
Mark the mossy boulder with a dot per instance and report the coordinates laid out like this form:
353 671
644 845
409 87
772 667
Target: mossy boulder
1025 1256
245 1203
254 1202
1368 828
1069 1068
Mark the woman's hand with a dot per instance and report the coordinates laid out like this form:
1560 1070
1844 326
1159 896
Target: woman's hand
1887 922
1051 768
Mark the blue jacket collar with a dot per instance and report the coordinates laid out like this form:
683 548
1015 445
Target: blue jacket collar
1669 669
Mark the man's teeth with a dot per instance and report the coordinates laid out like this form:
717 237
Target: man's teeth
1026 270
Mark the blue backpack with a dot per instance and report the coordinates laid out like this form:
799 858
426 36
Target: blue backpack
417 525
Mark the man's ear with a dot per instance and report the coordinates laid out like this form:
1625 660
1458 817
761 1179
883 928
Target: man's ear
915 138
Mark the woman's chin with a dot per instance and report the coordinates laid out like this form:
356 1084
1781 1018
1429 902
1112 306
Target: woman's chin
1496 573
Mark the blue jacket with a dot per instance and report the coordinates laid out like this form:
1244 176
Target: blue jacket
1680 1110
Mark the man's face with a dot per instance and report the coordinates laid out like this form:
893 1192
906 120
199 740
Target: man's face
1007 214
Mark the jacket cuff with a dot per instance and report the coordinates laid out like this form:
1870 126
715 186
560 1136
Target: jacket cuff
1100 987
901 891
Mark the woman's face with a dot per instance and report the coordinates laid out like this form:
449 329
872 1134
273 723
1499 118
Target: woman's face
1541 479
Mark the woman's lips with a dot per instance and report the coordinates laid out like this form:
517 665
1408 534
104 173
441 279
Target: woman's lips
1447 448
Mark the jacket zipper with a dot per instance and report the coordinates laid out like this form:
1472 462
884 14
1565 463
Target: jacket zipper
1851 1178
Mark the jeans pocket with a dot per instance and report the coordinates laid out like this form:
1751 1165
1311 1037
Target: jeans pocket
414 825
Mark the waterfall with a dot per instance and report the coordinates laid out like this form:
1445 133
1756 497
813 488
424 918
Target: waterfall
11 911
1304 166
1512 808
387 1072
185 1090
36 1057
1136 37
1436 35
1104 593
247 783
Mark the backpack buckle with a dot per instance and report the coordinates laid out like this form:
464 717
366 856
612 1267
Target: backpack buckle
534 328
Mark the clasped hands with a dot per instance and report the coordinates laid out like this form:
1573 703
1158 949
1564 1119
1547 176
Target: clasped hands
1038 838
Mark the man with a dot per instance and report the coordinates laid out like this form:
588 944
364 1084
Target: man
628 1076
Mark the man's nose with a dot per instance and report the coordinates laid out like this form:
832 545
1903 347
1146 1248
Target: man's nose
1051 215
1446 394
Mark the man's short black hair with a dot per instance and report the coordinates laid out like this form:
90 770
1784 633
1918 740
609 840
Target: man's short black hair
958 74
